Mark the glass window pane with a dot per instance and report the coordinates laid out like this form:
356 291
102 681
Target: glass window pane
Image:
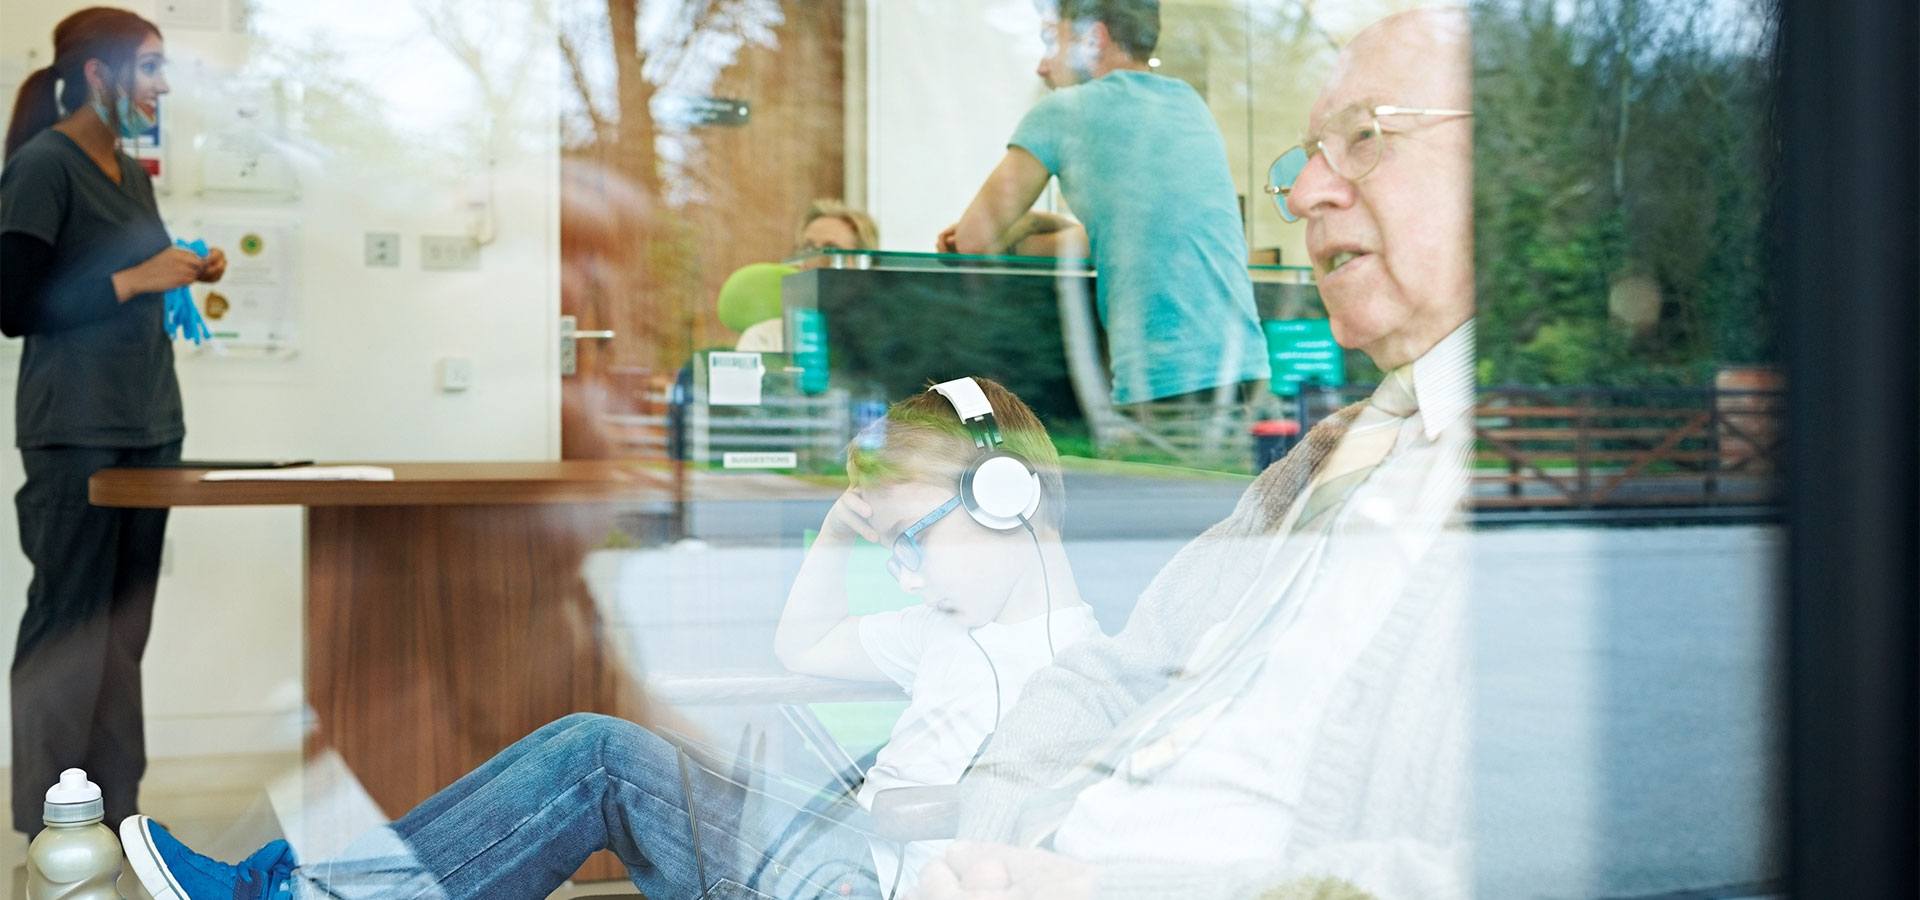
734 447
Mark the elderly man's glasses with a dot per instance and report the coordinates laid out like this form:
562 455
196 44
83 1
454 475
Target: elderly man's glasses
907 554
1354 143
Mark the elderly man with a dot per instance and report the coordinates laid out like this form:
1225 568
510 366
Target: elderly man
1285 709
1287 702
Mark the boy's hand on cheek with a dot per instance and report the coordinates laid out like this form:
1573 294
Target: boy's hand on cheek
851 517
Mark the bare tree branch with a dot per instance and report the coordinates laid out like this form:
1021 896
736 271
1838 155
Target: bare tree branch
577 72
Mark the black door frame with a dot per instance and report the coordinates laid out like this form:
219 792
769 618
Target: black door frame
1847 256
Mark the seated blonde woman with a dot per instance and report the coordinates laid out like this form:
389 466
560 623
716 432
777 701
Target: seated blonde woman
828 225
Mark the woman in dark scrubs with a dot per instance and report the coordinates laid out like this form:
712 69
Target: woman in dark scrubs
84 265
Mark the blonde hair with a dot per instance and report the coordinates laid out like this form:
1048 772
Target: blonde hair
921 441
865 233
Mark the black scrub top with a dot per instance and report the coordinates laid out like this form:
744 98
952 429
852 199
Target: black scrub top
108 383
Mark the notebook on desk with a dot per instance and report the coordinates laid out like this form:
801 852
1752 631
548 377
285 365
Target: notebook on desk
303 473
230 464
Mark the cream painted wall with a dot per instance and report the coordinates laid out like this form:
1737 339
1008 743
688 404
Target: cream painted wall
407 153
946 84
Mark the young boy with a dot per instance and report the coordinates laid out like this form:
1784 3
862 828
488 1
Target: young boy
999 601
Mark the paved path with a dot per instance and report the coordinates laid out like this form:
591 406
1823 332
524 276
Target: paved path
1624 718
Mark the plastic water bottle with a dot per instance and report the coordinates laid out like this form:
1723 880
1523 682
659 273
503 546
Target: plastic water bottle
76 857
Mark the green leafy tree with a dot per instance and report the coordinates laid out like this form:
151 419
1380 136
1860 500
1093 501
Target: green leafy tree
1616 140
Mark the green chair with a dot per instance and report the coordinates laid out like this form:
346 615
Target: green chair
751 295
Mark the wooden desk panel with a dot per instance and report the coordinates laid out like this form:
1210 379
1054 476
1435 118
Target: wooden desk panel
465 627
438 635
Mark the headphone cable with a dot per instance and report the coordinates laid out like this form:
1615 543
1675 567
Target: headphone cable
995 672
899 867
1045 584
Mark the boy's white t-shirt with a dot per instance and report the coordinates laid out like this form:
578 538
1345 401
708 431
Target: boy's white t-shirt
951 710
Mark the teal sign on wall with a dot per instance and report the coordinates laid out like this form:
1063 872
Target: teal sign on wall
1302 351
810 350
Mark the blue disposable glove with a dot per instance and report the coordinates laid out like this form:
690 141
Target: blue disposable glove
182 316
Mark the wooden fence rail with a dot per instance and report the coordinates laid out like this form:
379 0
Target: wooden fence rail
1589 448
1596 448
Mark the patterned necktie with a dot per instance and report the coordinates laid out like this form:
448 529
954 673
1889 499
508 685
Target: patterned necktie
1365 445
1154 737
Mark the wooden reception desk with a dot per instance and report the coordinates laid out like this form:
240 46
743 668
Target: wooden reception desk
445 615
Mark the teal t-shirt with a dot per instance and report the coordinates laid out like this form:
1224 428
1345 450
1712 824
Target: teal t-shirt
1143 165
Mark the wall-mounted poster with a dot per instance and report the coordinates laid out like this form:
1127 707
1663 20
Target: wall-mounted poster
255 306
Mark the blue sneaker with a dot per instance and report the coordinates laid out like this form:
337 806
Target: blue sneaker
170 870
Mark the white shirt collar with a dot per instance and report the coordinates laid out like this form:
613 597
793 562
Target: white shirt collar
1443 381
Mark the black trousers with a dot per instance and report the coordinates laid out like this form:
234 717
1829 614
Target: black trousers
76 666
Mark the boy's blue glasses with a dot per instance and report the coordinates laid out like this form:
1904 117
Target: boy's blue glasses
907 555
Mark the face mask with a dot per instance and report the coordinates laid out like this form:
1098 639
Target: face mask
134 121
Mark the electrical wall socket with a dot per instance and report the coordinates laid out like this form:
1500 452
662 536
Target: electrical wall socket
449 253
383 249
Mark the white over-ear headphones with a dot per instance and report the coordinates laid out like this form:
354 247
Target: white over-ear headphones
1000 489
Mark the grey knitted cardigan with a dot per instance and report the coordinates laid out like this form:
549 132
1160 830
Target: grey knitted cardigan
1385 796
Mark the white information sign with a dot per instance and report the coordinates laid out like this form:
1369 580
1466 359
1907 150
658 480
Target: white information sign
733 379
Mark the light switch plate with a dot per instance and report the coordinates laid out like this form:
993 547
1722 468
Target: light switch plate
449 253
383 249
456 374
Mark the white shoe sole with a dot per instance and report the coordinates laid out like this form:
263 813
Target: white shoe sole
144 857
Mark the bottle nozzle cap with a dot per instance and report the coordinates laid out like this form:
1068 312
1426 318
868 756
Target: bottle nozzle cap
74 799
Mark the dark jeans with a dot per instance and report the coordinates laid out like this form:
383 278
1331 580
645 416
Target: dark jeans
686 824
76 665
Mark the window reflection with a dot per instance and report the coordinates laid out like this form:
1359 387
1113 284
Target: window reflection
637 299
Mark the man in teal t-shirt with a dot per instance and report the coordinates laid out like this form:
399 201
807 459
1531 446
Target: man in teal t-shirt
1143 164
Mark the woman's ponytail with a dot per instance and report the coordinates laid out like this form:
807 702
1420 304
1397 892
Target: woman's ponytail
35 108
